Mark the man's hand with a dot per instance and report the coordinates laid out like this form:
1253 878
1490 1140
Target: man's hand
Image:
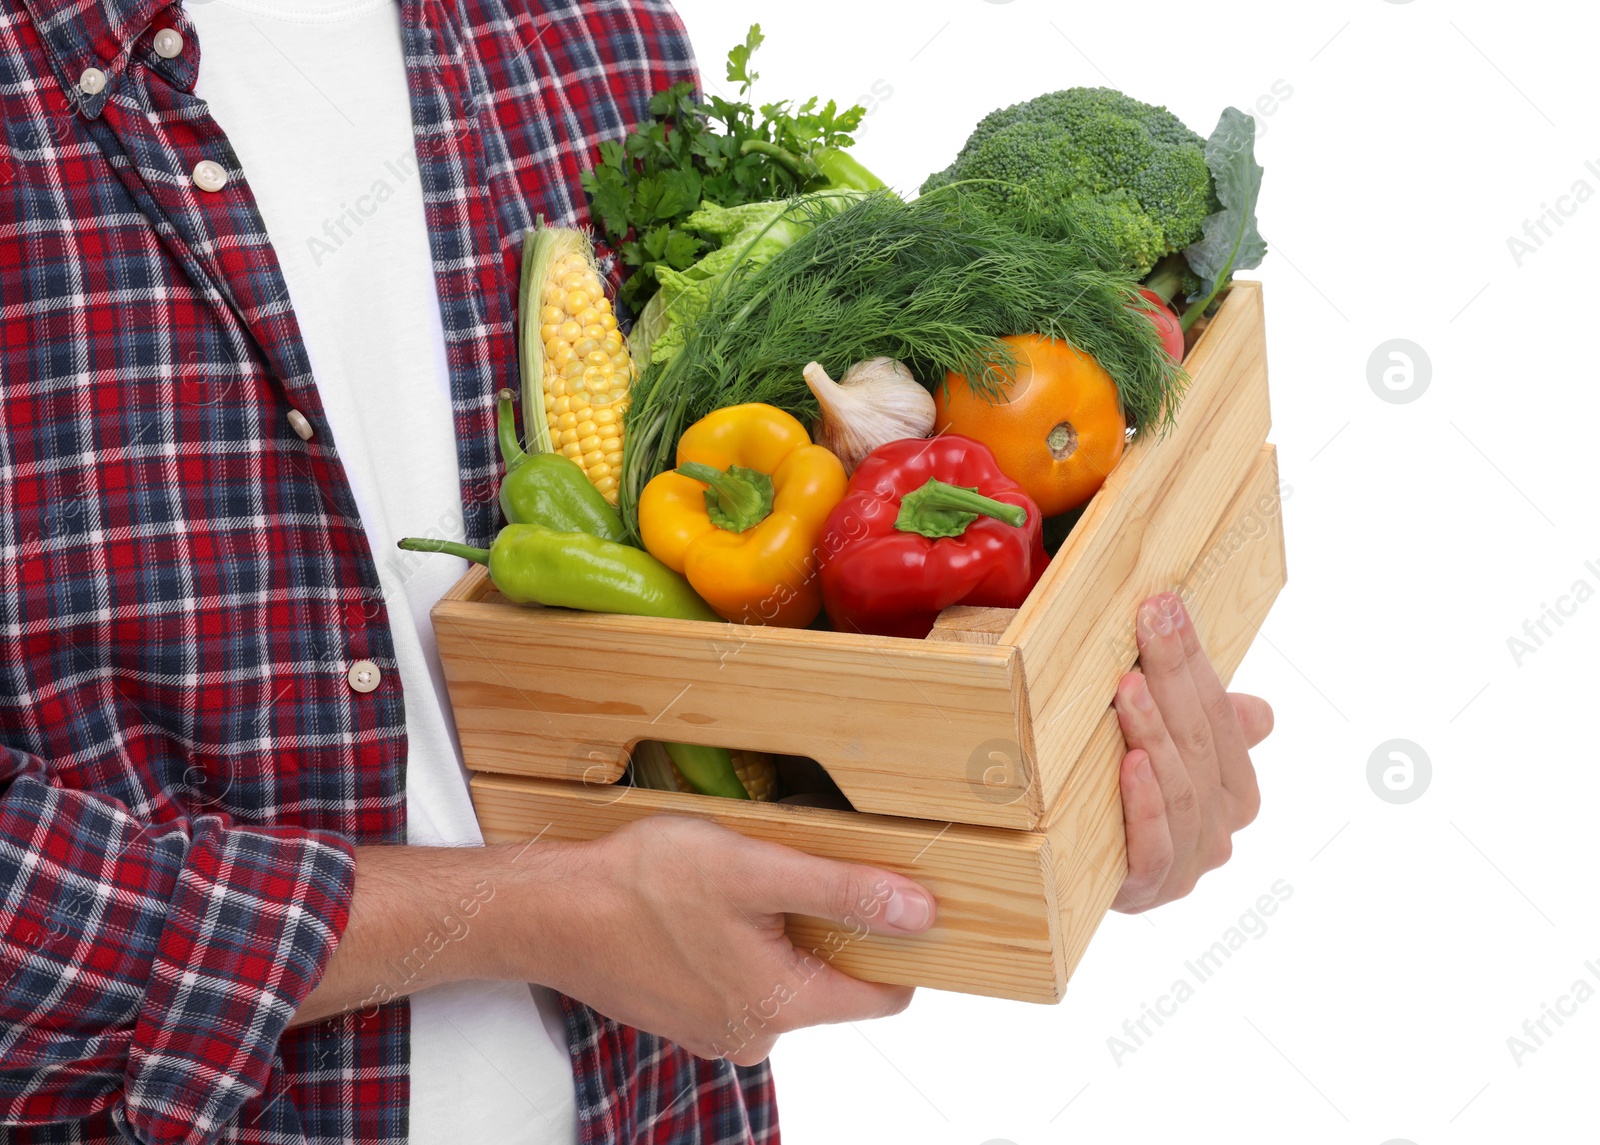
1187 780
685 936
671 924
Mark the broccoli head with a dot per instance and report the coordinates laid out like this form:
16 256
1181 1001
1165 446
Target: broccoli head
1132 175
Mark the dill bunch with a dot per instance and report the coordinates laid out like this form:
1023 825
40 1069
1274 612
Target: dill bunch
934 283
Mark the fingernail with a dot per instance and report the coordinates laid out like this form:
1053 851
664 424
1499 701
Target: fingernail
907 910
1149 621
1142 772
1179 614
1162 619
1142 699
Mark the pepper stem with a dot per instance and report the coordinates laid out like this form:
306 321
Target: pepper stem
736 498
801 167
454 548
506 425
941 510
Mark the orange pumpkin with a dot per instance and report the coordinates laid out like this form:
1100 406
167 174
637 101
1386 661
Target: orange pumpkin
1057 432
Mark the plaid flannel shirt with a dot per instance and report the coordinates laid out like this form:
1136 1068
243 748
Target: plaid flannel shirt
185 583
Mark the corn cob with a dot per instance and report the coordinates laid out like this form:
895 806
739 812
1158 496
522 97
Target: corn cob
653 768
576 369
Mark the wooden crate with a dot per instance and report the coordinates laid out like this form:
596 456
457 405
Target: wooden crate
981 761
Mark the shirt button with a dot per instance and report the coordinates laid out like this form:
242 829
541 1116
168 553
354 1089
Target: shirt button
168 43
364 676
209 175
298 423
92 81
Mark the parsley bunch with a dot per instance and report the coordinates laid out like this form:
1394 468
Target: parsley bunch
645 186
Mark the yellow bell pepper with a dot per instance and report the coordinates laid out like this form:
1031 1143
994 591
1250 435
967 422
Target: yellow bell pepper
742 514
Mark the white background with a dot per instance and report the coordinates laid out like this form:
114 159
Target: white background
1377 1006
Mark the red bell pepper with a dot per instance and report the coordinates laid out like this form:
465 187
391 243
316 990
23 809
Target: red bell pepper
925 524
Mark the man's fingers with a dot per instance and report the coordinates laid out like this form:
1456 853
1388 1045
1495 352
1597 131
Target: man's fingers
813 994
1150 850
1143 728
1166 669
857 898
753 1052
1255 716
819 994
1234 769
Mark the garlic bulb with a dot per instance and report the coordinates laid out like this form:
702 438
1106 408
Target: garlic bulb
876 402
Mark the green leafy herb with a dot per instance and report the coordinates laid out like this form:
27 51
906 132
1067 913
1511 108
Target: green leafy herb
1231 240
722 152
933 283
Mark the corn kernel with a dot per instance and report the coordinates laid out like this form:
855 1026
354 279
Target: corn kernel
569 331
590 460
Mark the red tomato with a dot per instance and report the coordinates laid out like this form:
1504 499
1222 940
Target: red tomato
1167 324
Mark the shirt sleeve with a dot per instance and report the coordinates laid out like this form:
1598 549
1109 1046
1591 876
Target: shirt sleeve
151 969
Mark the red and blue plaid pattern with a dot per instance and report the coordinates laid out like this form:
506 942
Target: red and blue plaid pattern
184 582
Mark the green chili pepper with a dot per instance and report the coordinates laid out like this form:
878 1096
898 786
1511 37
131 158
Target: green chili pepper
709 770
549 489
531 564
842 170
837 169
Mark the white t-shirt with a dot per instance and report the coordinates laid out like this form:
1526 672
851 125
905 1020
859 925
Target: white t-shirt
312 95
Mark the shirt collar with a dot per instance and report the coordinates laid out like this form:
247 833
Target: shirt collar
80 34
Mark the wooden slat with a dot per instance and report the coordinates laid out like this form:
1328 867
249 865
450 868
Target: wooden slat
966 624
996 931
1229 591
564 695
1140 535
